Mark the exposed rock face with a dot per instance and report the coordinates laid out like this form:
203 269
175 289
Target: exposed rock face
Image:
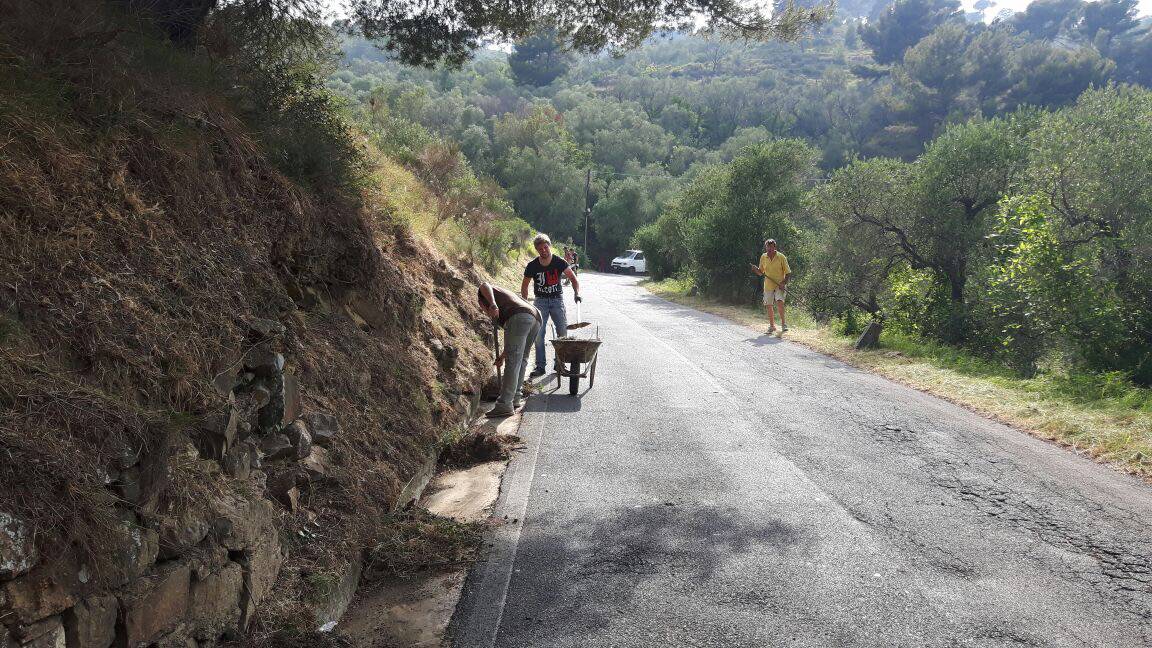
445 354
35 596
156 605
17 548
48 633
339 596
262 564
91 623
215 603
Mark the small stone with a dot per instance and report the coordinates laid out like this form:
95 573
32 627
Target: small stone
317 463
277 446
140 546
264 363
179 534
291 398
445 354
292 499
238 460
298 435
870 337
207 561
243 522
282 483
127 458
261 395
323 427
218 433
264 329
127 485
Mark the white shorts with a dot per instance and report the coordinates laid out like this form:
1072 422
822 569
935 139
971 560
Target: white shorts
773 296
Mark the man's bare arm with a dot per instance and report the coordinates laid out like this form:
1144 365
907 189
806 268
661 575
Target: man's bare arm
575 282
524 287
490 299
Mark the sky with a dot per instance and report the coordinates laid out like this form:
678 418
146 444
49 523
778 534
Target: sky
1019 5
336 7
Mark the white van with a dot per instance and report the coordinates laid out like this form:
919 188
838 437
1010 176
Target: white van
632 262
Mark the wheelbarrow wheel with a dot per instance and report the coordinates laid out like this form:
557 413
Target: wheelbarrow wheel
574 381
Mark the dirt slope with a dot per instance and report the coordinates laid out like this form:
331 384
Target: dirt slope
172 311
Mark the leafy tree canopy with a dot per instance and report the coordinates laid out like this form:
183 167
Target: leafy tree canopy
903 23
425 32
539 59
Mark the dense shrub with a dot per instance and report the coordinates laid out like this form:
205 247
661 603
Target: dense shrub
724 215
1021 239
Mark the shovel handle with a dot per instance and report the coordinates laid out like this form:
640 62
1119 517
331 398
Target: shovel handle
496 350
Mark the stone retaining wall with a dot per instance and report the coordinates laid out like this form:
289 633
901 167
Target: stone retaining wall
191 578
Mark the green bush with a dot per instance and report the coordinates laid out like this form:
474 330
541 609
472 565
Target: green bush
277 68
745 202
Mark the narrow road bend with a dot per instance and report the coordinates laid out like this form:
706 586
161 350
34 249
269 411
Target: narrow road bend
718 487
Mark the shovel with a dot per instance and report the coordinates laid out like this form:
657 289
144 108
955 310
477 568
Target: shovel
580 323
496 350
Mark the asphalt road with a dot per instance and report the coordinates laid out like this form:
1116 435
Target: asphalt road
718 487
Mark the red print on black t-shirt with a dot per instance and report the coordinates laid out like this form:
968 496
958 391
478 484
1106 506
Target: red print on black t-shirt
546 280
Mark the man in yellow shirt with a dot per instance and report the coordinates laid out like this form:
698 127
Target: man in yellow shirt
776 272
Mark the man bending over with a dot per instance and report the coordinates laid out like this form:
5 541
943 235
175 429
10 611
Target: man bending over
520 321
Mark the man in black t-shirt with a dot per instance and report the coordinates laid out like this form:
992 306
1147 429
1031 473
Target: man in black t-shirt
544 273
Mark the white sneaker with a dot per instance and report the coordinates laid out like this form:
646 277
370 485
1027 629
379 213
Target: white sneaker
783 329
771 329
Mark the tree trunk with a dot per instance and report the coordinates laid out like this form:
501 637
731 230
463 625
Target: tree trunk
870 338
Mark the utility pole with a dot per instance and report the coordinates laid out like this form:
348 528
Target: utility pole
587 211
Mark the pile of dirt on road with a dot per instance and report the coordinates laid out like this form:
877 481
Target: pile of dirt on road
173 311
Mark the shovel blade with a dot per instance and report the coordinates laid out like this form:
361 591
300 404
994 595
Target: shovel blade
579 325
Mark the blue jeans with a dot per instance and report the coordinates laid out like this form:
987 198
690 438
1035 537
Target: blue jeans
549 307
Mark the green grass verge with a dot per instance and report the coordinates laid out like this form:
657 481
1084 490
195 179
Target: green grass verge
1104 416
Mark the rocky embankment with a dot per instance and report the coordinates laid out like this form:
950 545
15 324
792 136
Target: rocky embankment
215 382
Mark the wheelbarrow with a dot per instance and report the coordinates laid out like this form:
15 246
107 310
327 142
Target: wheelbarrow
571 353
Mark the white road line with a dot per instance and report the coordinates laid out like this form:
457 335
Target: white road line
482 626
506 575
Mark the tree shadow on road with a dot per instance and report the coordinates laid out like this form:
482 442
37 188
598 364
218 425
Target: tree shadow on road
659 303
594 566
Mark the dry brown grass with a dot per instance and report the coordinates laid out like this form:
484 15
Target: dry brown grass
1102 428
